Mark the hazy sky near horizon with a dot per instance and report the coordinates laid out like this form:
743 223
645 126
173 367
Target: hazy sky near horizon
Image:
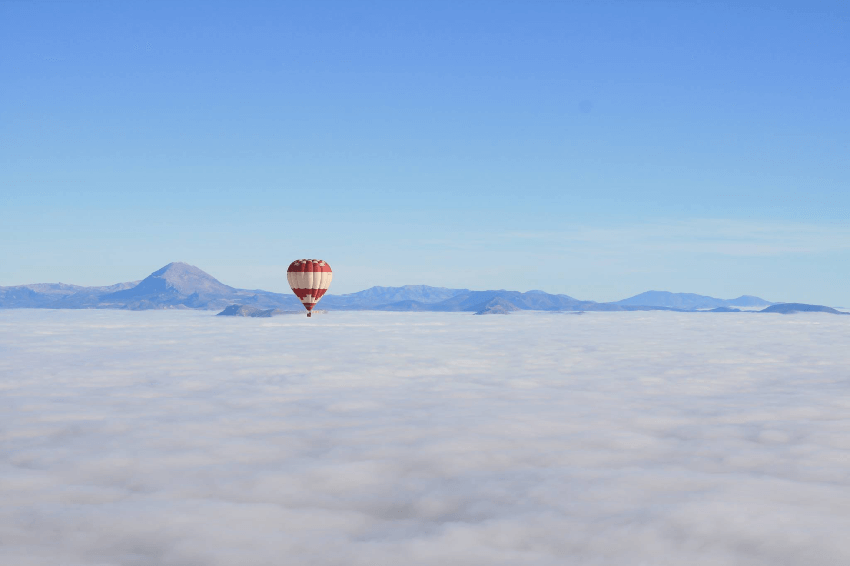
598 149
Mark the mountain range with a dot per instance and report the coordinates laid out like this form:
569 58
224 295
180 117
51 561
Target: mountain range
177 285
690 301
182 286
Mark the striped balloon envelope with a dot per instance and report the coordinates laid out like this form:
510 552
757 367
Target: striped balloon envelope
309 279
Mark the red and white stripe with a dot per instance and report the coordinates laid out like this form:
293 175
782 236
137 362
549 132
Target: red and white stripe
309 279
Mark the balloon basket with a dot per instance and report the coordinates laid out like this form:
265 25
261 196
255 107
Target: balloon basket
309 314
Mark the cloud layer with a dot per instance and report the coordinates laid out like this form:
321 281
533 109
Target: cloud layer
179 438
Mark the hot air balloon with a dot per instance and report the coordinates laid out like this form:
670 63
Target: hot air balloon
309 279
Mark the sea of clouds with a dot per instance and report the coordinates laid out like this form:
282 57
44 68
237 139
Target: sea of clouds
363 438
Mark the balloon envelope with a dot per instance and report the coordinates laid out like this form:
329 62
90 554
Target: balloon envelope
309 279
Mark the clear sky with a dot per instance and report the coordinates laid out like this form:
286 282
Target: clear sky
598 149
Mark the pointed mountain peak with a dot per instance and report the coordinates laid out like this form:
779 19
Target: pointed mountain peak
188 279
179 267
175 280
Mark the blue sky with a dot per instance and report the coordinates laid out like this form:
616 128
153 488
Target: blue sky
598 149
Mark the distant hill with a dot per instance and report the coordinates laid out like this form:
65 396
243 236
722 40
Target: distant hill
498 306
242 310
690 301
791 308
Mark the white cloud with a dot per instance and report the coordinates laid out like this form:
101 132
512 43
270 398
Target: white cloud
178 438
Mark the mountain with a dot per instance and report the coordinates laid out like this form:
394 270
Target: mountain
498 306
376 296
177 285
242 310
791 308
174 279
748 301
182 286
54 295
474 301
35 296
690 301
